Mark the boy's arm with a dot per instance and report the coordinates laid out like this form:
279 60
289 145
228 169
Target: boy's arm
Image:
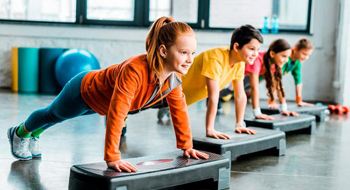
240 104
240 100
213 99
254 83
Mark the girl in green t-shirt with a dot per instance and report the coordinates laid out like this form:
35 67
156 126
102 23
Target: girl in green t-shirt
300 53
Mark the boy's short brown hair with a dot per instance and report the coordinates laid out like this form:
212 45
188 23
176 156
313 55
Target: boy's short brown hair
244 34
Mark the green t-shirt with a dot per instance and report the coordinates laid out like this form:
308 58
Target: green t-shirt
294 68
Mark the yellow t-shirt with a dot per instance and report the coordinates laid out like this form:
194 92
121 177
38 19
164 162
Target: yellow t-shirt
214 64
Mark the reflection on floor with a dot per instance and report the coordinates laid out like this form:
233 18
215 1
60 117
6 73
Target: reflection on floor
320 161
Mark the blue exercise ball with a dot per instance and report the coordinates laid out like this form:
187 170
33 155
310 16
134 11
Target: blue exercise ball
72 62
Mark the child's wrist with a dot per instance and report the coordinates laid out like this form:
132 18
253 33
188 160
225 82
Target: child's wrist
257 112
298 99
272 101
240 124
209 129
284 107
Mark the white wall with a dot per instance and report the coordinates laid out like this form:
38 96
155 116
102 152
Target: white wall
342 72
114 44
318 71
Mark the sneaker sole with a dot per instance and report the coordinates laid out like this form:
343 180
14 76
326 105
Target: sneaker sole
36 156
9 136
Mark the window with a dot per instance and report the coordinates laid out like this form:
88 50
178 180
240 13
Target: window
180 10
293 15
234 13
38 10
111 10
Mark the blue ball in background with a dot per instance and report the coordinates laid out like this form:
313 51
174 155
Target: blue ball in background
72 62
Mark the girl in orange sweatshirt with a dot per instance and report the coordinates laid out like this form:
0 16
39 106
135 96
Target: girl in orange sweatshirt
139 83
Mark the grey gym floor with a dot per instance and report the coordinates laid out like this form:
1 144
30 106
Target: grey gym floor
320 161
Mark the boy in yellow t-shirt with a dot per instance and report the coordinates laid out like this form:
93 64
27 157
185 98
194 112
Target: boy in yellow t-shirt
213 69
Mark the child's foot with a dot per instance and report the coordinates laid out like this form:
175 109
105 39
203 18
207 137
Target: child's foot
162 112
19 145
34 147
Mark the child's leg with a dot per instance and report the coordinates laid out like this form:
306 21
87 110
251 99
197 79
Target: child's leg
34 142
68 104
38 132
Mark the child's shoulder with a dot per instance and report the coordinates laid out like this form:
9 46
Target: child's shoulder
218 52
260 58
262 53
136 61
135 64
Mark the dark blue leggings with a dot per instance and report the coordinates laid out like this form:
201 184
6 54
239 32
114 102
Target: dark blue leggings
68 104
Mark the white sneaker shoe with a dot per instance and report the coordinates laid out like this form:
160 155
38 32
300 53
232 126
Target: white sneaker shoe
19 145
34 147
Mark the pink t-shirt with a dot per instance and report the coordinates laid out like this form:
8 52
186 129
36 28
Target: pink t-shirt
257 67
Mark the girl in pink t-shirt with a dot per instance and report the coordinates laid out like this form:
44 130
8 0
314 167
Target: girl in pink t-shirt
269 65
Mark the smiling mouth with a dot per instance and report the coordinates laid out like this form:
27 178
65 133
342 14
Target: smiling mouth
186 66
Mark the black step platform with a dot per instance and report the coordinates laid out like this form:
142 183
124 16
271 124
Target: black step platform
286 123
318 111
241 144
154 172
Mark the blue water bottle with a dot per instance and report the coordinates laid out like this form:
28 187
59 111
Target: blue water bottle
265 29
274 25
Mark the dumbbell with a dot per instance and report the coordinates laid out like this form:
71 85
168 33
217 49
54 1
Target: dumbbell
341 110
331 108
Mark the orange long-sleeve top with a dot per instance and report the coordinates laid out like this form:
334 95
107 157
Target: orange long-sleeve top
127 87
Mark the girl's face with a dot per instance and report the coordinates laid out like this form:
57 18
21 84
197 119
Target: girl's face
303 54
180 56
249 52
280 58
